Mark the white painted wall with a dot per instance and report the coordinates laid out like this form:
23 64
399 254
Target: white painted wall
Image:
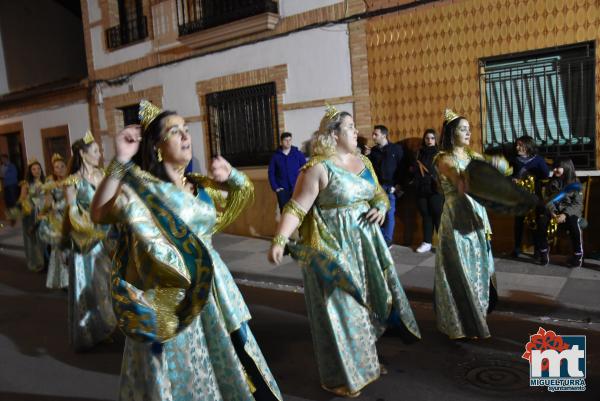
302 123
3 75
76 116
94 11
104 59
318 64
291 7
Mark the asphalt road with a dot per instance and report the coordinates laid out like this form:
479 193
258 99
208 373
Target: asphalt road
36 363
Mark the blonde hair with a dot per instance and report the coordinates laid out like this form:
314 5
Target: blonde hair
323 143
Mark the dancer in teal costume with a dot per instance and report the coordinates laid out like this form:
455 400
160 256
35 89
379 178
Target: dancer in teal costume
91 318
32 202
185 319
51 226
464 286
351 287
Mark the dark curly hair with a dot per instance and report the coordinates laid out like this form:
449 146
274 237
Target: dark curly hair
146 157
448 130
529 144
29 176
427 132
76 160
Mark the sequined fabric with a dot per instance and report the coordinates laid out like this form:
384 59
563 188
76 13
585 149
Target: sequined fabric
51 232
351 287
464 266
34 246
199 361
91 318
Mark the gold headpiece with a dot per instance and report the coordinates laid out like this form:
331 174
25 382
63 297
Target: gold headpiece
331 111
33 160
449 115
88 138
57 157
147 113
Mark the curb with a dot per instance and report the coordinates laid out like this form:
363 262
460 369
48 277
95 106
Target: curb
418 294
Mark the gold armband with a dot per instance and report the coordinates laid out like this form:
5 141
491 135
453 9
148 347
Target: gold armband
280 239
117 170
293 208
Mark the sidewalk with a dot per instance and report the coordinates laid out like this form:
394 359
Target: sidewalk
523 287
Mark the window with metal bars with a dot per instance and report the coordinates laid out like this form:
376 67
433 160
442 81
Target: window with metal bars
243 125
548 95
132 26
197 15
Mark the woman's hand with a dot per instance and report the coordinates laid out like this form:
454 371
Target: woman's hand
127 143
275 254
375 216
561 218
220 169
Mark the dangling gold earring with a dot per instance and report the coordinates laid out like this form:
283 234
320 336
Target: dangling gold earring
159 155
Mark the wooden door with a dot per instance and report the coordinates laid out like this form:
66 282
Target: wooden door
55 140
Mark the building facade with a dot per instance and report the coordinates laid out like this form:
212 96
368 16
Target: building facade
242 72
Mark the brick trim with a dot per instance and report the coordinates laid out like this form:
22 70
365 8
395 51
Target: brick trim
317 103
288 24
360 75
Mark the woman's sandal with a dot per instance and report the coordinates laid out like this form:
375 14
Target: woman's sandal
342 391
382 369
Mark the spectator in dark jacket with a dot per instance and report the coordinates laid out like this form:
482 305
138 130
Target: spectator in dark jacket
529 163
429 199
386 158
10 183
284 169
567 211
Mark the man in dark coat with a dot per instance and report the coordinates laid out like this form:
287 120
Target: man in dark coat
284 169
386 158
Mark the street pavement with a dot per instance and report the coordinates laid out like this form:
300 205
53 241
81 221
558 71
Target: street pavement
554 290
37 364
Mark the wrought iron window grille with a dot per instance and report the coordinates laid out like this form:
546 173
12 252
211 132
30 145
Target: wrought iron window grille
127 33
197 15
243 125
548 95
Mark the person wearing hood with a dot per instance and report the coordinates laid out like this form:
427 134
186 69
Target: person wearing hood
284 168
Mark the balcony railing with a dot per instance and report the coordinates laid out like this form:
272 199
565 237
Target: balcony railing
121 35
197 15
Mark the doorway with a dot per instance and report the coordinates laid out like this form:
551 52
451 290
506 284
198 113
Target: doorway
55 140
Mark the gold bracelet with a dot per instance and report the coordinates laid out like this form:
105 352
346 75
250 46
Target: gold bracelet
280 239
117 170
293 208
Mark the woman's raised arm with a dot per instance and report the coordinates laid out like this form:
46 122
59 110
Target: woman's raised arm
127 143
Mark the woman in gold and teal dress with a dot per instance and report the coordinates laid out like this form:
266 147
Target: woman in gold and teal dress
91 318
51 226
32 202
464 266
185 320
351 287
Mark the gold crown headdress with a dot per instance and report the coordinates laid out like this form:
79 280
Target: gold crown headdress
331 112
147 113
33 160
56 157
449 115
88 137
